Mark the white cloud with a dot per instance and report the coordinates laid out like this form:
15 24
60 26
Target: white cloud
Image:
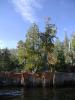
27 8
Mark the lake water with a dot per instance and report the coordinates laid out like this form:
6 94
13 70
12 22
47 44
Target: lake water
37 94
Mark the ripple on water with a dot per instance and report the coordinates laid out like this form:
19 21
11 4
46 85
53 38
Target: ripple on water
11 92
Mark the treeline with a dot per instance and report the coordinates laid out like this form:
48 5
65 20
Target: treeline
8 60
41 51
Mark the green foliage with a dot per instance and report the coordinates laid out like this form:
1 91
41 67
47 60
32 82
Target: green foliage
40 52
34 51
59 53
21 51
47 38
32 47
66 49
5 59
8 62
73 42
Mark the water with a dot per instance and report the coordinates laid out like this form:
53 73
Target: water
37 94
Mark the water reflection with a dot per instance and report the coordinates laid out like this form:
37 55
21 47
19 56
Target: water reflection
37 94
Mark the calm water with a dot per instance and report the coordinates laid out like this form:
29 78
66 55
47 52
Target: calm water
37 94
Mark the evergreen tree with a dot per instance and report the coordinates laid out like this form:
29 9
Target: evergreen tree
47 38
66 49
32 47
22 54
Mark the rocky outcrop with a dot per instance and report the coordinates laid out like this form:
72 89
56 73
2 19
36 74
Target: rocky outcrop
10 79
28 79
37 79
63 79
42 79
47 79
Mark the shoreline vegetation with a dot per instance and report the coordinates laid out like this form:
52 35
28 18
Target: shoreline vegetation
34 62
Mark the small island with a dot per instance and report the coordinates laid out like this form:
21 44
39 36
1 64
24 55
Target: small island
41 60
37 49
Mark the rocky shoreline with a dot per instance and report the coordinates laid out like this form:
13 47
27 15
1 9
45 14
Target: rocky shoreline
40 79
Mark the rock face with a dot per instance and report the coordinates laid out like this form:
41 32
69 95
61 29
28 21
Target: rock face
28 79
63 79
37 79
47 79
10 79
43 79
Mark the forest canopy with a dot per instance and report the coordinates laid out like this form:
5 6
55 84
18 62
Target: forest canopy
41 51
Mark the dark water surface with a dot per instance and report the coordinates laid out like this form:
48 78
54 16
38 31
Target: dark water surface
37 94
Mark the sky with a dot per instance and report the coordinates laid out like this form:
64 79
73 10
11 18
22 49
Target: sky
16 16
